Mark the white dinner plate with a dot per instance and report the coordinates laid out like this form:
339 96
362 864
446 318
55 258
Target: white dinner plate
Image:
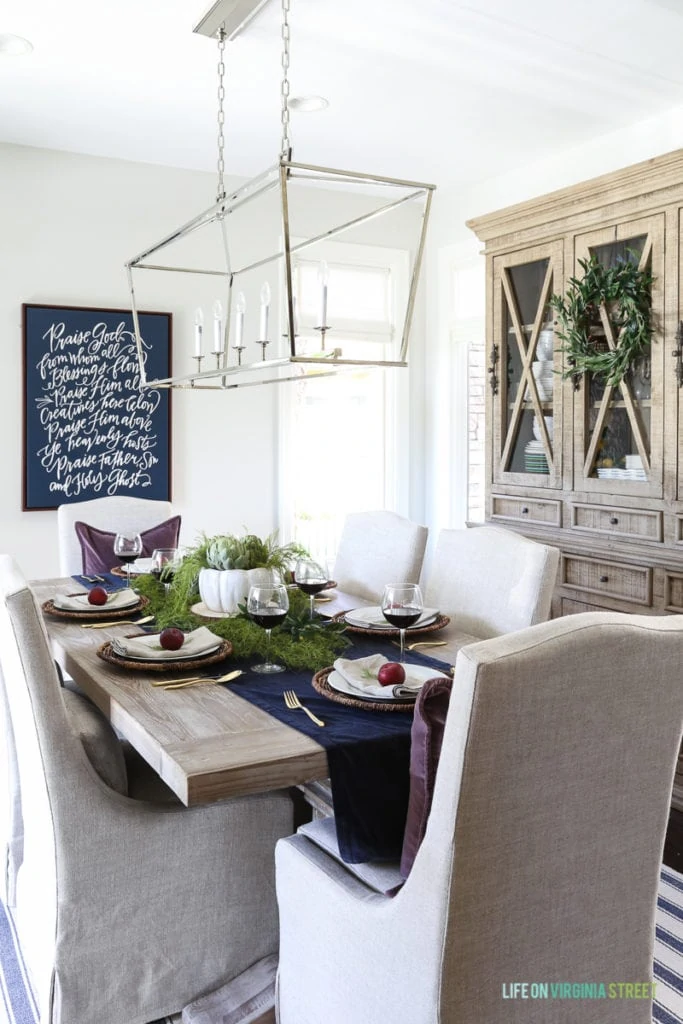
178 655
373 618
420 672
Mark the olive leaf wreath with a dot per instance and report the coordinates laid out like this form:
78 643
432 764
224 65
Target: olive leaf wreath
625 292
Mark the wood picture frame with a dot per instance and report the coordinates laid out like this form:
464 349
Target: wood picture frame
89 430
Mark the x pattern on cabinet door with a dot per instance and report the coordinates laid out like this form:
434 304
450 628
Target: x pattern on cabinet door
631 407
526 354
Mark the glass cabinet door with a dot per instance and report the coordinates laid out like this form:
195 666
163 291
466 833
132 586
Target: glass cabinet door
618 433
525 368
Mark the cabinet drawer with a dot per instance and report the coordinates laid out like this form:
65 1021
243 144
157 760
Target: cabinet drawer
570 607
613 579
673 591
620 522
526 510
679 529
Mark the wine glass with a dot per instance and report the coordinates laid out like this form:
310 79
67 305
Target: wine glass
127 547
268 606
311 577
165 561
402 607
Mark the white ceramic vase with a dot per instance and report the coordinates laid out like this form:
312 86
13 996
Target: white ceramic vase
222 590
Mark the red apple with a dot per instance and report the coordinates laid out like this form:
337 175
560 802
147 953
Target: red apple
391 674
171 638
98 595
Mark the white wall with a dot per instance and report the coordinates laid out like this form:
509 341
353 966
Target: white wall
68 223
454 250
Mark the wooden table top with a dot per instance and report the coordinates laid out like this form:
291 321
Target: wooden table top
205 742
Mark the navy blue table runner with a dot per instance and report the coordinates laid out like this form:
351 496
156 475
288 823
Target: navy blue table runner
368 753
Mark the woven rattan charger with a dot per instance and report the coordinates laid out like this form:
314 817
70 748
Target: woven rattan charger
106 653
101 612
321 684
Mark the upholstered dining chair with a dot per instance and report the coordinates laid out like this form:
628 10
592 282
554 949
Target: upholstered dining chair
126 910
113 514
492 580
541 855
377 548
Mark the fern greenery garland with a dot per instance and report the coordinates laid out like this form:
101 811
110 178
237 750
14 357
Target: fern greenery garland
625 293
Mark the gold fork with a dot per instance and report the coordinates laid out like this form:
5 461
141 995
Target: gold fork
294 704
179 684
117 622
423 643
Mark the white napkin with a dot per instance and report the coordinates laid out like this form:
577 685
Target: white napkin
116 601
373 617
361 674
199 641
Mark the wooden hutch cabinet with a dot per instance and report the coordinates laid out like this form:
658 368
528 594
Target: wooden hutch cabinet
593 469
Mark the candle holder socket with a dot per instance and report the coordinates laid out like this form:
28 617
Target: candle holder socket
323 328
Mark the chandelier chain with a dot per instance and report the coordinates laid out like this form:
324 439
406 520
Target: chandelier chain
286 146
221 114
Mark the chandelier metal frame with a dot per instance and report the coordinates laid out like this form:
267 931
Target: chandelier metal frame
281 176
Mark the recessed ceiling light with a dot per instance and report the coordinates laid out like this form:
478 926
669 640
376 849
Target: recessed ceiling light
307 104
14 46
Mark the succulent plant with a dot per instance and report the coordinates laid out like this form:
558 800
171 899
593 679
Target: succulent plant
250 552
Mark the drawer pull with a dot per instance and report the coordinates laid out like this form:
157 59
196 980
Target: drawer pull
524 510
604 579
614 520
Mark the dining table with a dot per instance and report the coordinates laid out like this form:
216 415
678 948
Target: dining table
206 743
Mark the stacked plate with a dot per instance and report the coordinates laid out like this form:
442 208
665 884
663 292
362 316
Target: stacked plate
536 430
542 370
621 474
535 460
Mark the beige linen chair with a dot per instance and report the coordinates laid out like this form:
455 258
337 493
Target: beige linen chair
377 548
112 514
491 580
542 851
125 910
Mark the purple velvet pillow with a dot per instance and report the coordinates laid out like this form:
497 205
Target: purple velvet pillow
426 737
97 546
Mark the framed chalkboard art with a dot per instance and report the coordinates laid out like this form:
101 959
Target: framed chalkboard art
89 430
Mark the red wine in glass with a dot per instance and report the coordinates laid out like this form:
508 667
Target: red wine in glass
127 547
268 620
312 588
268 606
310 577
402 618
402 607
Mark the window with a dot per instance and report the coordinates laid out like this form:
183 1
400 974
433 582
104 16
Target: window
340 438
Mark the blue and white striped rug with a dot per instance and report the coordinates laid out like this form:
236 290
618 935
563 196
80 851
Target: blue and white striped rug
17 1005
668 968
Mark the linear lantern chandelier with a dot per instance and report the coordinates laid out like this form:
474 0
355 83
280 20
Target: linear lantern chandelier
244 255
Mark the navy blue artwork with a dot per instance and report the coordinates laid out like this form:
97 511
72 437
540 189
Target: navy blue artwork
90 431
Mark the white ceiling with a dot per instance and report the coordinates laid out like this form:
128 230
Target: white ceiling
432 89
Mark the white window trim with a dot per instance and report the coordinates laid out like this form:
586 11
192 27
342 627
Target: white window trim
397 389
